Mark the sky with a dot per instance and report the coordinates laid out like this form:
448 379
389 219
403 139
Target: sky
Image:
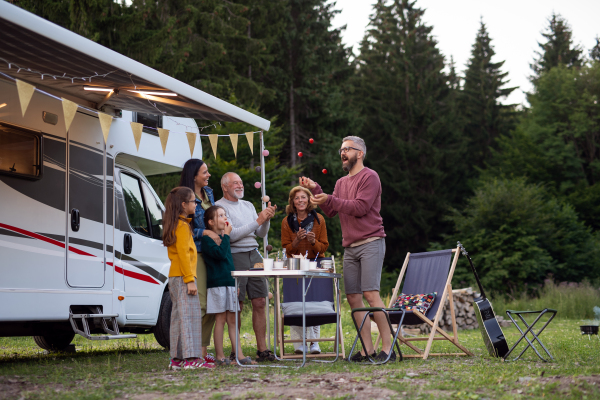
514 26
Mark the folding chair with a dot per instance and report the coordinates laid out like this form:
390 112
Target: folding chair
426 273
321 289
530 330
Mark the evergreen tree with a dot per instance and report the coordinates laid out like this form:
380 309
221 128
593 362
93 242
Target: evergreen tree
486 117
558 49
595 51
411 125
311 76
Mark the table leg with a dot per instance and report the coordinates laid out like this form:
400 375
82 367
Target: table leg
303 320
237 328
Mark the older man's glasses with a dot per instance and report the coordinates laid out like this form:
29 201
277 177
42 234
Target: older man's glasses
344 150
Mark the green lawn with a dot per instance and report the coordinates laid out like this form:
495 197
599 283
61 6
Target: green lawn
136 368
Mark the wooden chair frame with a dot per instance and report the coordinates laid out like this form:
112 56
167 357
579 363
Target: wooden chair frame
281 342
424 354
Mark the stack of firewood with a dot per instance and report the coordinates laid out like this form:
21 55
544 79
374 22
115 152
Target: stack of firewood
463 310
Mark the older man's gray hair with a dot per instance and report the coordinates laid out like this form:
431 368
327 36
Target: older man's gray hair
359 143
226 177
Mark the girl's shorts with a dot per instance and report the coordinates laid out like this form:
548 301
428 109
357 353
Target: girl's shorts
221 299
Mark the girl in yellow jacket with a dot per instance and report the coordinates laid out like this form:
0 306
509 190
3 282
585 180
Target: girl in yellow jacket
186 317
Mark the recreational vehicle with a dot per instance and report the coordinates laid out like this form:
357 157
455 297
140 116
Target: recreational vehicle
80 225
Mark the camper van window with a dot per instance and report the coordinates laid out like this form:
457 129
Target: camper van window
20 152
136 212
150 122
155 213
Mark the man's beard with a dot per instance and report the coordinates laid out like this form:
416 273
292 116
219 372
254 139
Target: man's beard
238 196
351 162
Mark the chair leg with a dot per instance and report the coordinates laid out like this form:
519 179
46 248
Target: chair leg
359 336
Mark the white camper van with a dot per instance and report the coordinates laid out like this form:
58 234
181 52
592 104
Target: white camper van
80 226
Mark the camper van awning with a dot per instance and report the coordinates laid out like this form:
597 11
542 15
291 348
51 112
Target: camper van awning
41 47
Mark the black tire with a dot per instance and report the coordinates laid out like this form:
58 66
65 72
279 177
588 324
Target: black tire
163 324
55 341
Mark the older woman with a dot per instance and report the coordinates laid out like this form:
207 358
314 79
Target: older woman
302 231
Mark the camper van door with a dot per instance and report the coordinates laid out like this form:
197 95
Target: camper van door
85 212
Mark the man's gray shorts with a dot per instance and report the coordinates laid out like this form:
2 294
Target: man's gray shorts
256 287
362 266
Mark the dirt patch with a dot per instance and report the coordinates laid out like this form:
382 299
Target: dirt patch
290 387
15 387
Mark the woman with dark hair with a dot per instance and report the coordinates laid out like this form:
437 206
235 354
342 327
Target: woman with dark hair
195 176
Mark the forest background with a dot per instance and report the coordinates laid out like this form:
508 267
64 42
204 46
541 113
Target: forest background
519 187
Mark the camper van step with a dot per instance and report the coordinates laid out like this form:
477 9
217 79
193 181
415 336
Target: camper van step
95 315
110 337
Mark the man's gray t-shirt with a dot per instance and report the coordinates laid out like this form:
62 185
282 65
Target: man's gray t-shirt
242 216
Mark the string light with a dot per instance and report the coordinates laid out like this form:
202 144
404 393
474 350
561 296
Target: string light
199 128
63 76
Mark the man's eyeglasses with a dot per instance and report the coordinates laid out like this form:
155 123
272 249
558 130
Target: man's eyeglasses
347 149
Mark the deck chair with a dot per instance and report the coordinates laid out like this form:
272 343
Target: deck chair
321 289
426 273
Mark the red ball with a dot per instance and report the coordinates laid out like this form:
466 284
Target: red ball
324 171
300 154
311 140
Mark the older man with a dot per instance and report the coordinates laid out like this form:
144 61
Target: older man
357 200
244 249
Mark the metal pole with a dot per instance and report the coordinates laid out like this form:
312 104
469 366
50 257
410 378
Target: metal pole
263 191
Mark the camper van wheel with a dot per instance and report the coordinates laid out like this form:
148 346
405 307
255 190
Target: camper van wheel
55 341
163 324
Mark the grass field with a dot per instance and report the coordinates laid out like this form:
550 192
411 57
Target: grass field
137 368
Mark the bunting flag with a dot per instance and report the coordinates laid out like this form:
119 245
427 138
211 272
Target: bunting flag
250 137
191 137
234 141
105 122
164 137
69 110
136 128
25 91
213 142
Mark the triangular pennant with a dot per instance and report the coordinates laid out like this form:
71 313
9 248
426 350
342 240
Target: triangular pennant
234 139
191 141
163 134
25 91
250 137
136 128
69 109
213 142
105 122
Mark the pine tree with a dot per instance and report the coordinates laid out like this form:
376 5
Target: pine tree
411 127
595 51
486 117
558 49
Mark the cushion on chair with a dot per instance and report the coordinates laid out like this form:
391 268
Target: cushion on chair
419 302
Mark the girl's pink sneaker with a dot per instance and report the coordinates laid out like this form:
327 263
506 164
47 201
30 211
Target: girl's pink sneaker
210 359
197 363
176 365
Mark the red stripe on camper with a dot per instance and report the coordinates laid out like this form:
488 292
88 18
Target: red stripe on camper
135 275
44 239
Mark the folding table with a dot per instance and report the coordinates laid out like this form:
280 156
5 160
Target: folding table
285 273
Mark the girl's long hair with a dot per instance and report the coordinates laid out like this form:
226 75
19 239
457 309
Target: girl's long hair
189 172
173 210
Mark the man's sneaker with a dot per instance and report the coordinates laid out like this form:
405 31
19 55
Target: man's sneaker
210 358
197 363
360 358
382 356
299 350
315 349
176 365
266 355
